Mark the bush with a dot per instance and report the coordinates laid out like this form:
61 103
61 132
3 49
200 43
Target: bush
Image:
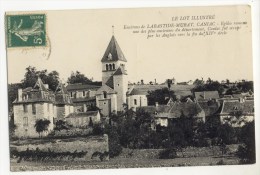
97 130
221 162
169 153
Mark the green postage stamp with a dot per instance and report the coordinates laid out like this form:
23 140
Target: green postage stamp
27 30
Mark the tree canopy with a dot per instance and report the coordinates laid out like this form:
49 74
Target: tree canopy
32 74
160 95
77 77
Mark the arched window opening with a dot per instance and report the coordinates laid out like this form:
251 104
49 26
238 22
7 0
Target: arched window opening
114 67
106 67
105 94
110 66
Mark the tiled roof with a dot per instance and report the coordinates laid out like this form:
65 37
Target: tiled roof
39 85
82 114
106 89
181 90
210 107
79 86
113 52
189 109
110 82
77 100
61 89
247 107
206 95
120 71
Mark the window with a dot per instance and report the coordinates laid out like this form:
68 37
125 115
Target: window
105 94
117 84
25 121
114 67
33 109
106 66
25 108
135 101
110 66
71 94
84 93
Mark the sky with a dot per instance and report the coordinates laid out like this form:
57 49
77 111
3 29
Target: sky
77 40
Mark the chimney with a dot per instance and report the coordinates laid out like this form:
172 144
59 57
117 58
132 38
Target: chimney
156 104
155 81
20 94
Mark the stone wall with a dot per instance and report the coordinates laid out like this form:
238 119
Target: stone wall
89 144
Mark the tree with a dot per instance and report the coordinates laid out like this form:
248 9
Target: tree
32 74
209 86
77 77
12 125
246 152
226 133
160 95
41 125
12 94
60 125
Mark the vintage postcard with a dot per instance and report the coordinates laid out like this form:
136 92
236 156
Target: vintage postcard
130 88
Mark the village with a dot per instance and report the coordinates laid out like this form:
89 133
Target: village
168 118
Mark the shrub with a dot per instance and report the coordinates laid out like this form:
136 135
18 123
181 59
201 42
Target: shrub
169 153
221 162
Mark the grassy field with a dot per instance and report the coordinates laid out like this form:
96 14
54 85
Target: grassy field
122 163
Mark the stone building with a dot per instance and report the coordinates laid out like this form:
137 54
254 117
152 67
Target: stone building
63 103
33 103
237 113
112 95
83 96
82 119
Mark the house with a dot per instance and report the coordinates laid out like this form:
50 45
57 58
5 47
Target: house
211 108
206 95
83 119
163 114
33 103
83 96
237 113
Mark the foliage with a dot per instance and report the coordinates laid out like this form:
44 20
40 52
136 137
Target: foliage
210 85
41 155
246 152
160 95
246 86
227 134
97 129
169 153
12 126
77 77
41 125
13 93
32 74
60 125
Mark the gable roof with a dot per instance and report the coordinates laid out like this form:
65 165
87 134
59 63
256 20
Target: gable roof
39 85
206 95
113 52
110 82
61 89
120 71
80 86
142 89
105 88
210 107
247 107
174 111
